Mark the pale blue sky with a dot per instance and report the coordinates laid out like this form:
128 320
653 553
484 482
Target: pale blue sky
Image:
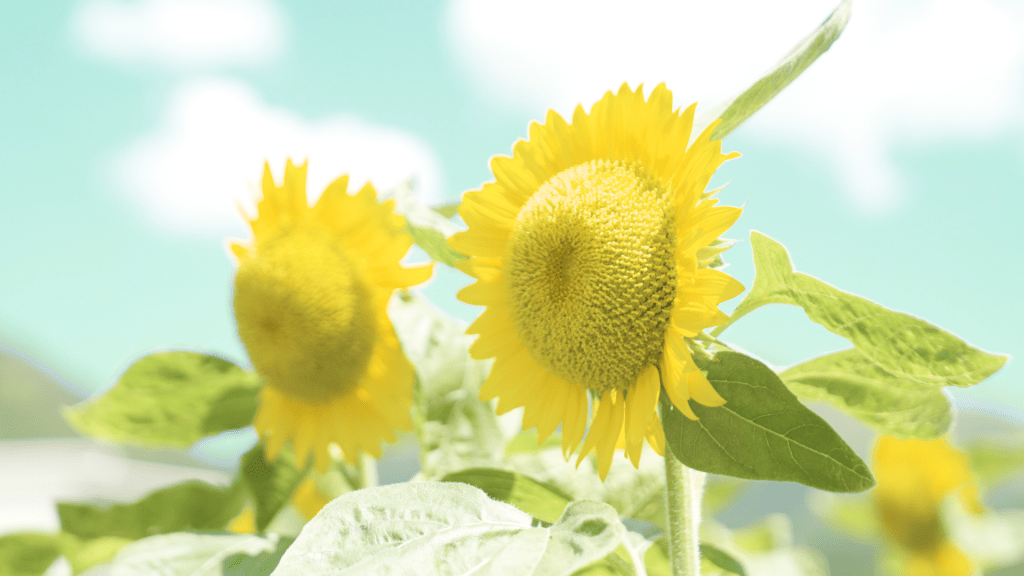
892 170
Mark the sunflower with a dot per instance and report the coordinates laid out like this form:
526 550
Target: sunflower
914 477
310 301
591 251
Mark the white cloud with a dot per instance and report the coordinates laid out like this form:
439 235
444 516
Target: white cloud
904 72
216 134
180 33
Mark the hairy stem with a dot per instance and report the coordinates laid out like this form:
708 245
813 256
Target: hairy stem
683 488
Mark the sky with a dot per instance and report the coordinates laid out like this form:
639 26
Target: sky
131 130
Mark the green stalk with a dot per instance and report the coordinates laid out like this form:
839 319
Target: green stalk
683 488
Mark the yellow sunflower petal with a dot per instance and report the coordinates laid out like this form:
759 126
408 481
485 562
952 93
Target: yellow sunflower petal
640 406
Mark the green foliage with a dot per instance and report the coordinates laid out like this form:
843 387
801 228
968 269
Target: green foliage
887 403
906 360
734 111
84 553
170 399
634 493
189 554
449 528
191 505
27 553
262 564
762 433
270 484
428 227
722 559
542 501
764 548
994 461
456 429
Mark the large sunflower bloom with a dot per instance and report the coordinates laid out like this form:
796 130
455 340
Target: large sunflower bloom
311 292
914 477
591 251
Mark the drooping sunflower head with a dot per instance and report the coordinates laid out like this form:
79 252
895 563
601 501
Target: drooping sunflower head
591 251
914 477
310 300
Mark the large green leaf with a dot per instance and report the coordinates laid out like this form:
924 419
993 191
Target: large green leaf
538 499
887 403
170 399
27 553
762 433
908 348
457 430
84 553
447 528
271 484
428 227
188 554
735 110
191 505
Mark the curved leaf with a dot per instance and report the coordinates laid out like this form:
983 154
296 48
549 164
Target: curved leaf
762 433
542 501
887 403
170 399
734 111
447 528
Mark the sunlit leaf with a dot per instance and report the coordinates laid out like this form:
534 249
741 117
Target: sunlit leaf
457 430
84 553
993 461
909 348
762 433
889 404
447 528
735 110
191 505
429 228
188 554
270 484
27 553
542 501
170 399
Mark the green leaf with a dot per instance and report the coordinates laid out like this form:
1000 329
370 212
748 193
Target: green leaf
909 348
456 429
170 399
27 553
83 553
734 111
191 505
261 564
271 484
429 228
188 554
762 433
448 210
542 501
889 404
722 559
994 461
634 493
447 528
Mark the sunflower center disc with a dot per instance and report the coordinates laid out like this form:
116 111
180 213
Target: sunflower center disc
305 316
591 273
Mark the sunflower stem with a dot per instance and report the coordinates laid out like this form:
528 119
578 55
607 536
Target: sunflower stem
368 471
683 488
